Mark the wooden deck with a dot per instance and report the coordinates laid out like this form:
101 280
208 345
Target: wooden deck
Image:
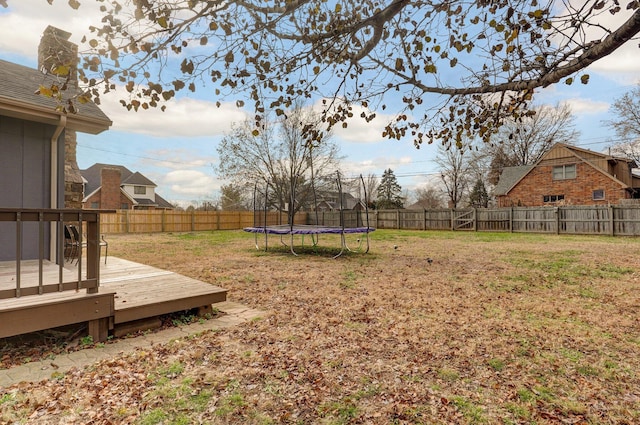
140 292
144 291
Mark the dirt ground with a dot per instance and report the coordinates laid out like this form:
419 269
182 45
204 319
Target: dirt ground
428 327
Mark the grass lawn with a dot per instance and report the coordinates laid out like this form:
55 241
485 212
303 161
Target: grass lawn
428 327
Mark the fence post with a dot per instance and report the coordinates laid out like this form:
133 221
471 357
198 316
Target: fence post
162 221
126 221
453 219
511 220
612 230
557 211
475 219
424 219
193 220
398 219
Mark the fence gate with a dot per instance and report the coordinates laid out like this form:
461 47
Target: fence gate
463 219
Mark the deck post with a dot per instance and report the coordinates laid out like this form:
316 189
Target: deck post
93 251
61 250
40 250
99 329
18 251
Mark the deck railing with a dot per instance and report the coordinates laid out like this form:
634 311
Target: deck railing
49 241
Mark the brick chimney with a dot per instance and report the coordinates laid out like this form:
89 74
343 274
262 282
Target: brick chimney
110 188
55 49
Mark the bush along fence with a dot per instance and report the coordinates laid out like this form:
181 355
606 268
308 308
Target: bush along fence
585 220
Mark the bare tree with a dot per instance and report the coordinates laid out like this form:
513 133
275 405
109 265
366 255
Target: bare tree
371 183
627 125
353 53
525 140
279 157
234 198
429 197
454 173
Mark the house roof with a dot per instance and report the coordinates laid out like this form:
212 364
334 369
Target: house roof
18 85
332 198
93 175
144 201
138 180
163 203
93 178
509 177
514 175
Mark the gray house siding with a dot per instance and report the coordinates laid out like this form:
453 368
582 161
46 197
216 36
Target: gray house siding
25 167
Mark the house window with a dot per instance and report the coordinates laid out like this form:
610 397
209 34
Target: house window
124 206
140 190
552 198
95 205
598 195
564 172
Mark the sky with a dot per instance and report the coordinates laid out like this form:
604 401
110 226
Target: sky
177 150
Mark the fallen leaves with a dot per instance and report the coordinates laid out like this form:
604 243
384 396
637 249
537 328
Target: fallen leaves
474 337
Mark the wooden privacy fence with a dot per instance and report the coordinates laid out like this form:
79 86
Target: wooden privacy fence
587 220
155 221
574 220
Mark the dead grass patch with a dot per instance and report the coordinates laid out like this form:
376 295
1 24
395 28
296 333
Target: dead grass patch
495 329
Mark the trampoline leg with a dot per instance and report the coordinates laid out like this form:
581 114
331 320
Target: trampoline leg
367 242
291 246
343 244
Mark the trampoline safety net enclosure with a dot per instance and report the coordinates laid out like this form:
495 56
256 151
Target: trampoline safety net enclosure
358 222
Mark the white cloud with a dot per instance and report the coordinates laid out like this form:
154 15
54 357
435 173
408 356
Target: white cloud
183 117
31 18
358 130
625 59
178 159
622 65
375 165
189 182
587 106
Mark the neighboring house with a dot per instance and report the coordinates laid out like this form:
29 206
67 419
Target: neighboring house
568 175
116 187
330 201
32 151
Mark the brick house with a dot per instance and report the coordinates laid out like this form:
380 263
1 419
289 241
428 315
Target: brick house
116 187
568 175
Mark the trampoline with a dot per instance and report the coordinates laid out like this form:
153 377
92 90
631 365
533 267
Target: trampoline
313 230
